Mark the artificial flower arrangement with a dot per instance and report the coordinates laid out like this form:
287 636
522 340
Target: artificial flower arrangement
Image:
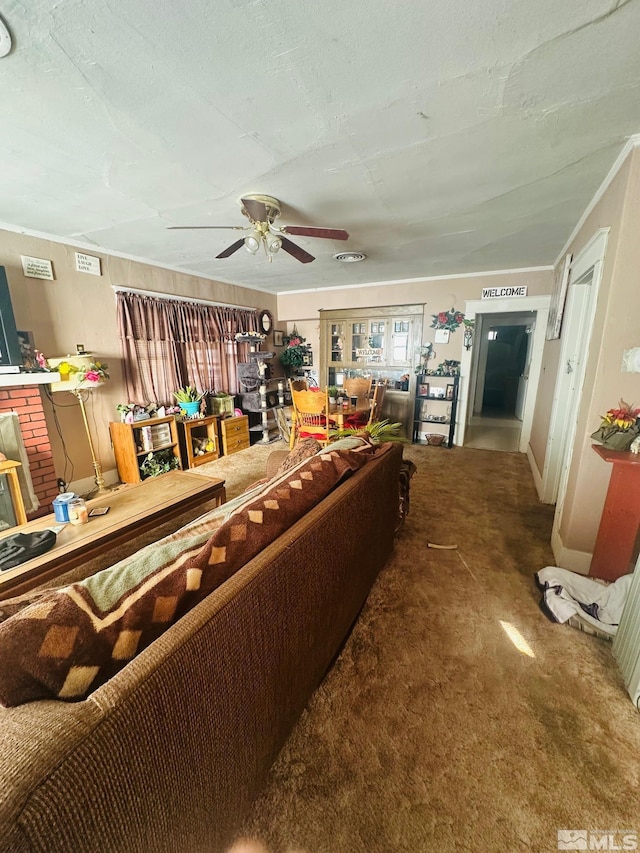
96 371
619 427
295 350
449 320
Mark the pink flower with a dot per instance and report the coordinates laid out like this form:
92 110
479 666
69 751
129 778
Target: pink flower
91 376
459 317
442 317
294 342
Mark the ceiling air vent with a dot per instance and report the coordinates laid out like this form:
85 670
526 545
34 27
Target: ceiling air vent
350 257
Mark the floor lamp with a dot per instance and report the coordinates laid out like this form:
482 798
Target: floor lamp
71 369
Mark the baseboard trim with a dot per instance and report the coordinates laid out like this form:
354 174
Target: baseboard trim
537 477
566 558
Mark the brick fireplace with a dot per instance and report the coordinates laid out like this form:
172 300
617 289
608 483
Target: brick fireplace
26 402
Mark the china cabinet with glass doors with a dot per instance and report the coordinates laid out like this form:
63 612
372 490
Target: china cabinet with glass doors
380 343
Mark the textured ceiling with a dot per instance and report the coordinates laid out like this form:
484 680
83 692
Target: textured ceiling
445 136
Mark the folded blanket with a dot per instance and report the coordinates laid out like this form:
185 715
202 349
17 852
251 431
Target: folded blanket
566 595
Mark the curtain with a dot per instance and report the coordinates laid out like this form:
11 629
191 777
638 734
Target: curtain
167 344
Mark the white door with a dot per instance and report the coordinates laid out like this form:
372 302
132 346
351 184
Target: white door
523 379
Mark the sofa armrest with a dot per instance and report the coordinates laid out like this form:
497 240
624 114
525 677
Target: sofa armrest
275 460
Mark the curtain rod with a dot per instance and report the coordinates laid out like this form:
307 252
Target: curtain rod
119 289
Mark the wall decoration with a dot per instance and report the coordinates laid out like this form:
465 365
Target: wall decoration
37 267
88 263
441 336
449 320
278 338
558 298
266 321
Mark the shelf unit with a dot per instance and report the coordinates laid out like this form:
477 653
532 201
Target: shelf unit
435 405
132 443
195 435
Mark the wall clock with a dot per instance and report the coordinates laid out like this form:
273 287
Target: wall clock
266 321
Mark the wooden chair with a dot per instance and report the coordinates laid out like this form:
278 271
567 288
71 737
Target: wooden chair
310 416
358 386
377 402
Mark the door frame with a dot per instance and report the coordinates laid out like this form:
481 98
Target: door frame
539 305
564 410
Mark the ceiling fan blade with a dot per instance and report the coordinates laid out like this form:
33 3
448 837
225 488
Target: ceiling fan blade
231 249
296 251
329 233
206 227
257 210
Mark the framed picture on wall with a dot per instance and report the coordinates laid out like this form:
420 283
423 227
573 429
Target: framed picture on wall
277 338
558 298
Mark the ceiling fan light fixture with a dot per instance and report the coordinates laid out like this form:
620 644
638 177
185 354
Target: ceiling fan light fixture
252 242
349 257
272 243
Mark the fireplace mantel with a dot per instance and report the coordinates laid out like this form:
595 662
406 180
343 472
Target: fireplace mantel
13 380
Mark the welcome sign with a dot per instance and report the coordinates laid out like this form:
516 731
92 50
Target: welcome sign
502 292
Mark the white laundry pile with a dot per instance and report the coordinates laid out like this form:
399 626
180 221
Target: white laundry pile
568 597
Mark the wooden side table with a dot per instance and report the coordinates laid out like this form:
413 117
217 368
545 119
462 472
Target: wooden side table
192 431
613 552
9 467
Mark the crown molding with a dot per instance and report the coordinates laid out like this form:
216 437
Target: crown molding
419 280
631 143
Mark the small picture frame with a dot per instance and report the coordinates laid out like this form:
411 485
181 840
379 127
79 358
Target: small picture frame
307 359
277 338
27 350
423 389
438 391
449 393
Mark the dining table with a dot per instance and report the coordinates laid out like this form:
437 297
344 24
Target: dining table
338 412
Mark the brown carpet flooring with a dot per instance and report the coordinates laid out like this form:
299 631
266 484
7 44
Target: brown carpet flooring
433 732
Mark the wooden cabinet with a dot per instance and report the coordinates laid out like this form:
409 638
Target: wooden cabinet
199 441
156 438
234 434
435 407
380 343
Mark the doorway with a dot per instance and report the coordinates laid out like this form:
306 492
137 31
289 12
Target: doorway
503 344
582 294
508 426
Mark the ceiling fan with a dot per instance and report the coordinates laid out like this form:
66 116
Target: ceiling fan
262 212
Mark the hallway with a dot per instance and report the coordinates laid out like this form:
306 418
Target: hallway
493 429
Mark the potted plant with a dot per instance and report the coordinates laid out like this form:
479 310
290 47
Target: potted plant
295 352
158 463
333 393
619 427
189 399
375 432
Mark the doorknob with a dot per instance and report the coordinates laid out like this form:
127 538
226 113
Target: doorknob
569 367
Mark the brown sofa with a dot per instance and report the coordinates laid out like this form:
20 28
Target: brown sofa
168 754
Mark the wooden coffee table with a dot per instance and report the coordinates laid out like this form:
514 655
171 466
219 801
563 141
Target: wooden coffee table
134 510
